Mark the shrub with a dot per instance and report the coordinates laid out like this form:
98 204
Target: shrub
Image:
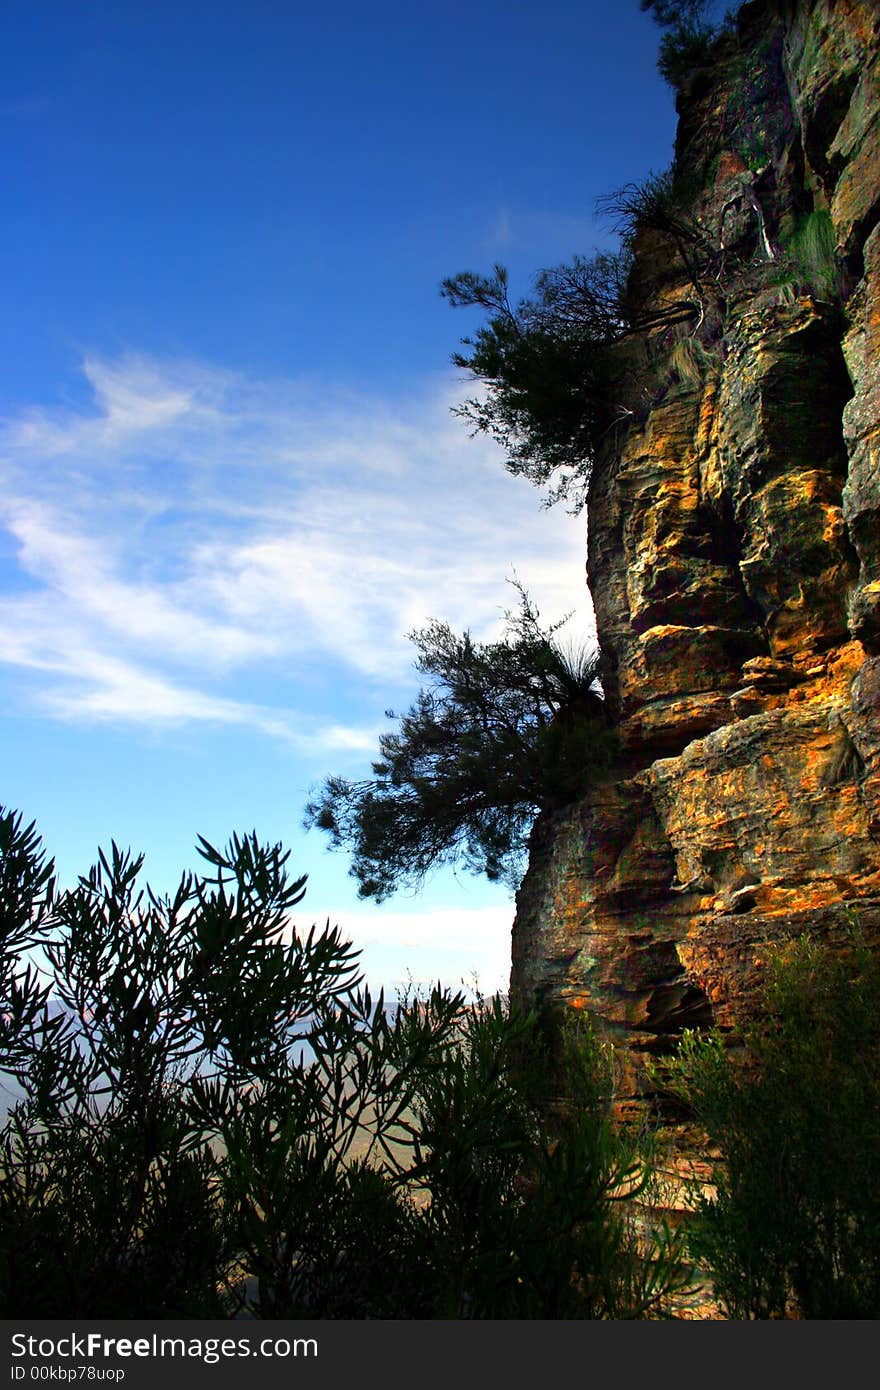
530 1209
795 1222
189 1067
217 1119
549 377
659 204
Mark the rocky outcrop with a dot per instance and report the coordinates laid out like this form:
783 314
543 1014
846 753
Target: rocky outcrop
734 559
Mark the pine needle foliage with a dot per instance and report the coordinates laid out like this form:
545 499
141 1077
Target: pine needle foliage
500 730
689 32
543 366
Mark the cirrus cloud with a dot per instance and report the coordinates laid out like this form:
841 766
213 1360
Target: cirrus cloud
200 545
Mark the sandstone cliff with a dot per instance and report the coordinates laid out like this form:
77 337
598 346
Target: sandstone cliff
734 559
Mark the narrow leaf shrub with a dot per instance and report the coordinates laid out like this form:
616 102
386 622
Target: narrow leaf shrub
794 1225
214 1118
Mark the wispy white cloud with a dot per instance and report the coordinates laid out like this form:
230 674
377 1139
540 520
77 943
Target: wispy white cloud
196 529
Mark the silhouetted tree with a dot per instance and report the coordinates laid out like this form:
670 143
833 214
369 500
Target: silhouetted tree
543 365
503 729
690 31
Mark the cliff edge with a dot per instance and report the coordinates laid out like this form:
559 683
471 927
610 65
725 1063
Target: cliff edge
734 558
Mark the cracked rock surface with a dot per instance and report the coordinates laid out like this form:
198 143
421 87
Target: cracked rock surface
734 563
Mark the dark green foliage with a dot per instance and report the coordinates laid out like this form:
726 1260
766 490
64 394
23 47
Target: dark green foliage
220 1120
650 203
26 893
151 1005
544 366
682 50
551 390
530 1214
795 1225
690 33
503 729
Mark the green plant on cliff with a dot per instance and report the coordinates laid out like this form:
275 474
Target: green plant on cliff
552 390
543 366
794 1225
689 33
502 730
808 261
660 204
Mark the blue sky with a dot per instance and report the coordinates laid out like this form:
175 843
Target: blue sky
230 482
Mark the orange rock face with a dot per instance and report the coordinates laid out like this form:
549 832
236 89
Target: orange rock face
734 563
